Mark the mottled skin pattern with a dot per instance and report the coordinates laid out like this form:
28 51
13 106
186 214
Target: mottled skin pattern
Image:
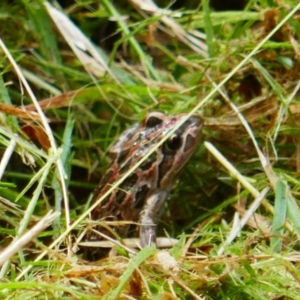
140 197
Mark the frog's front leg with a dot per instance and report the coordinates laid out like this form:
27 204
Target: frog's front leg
148 218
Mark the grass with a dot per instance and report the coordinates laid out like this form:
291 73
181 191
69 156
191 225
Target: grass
64 100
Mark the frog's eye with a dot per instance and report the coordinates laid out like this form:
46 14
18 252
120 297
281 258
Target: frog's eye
153 121
173 143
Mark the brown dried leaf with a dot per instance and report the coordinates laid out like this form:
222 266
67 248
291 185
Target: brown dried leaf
19 112
37 133
54 102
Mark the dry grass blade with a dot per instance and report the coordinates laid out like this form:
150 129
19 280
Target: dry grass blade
189 38
237 229
27 237
19 112
190 291
6 156
129 243
283 110
80 44
235 173
54 102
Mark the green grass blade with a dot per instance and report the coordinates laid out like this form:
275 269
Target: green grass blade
209 30
293 212
145 59
45 35
4 97
280 210
132 265
66 161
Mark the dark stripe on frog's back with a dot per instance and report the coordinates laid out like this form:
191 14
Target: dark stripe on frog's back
106 178
123 156
127 164
105 184
141 196
116 199
125 188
